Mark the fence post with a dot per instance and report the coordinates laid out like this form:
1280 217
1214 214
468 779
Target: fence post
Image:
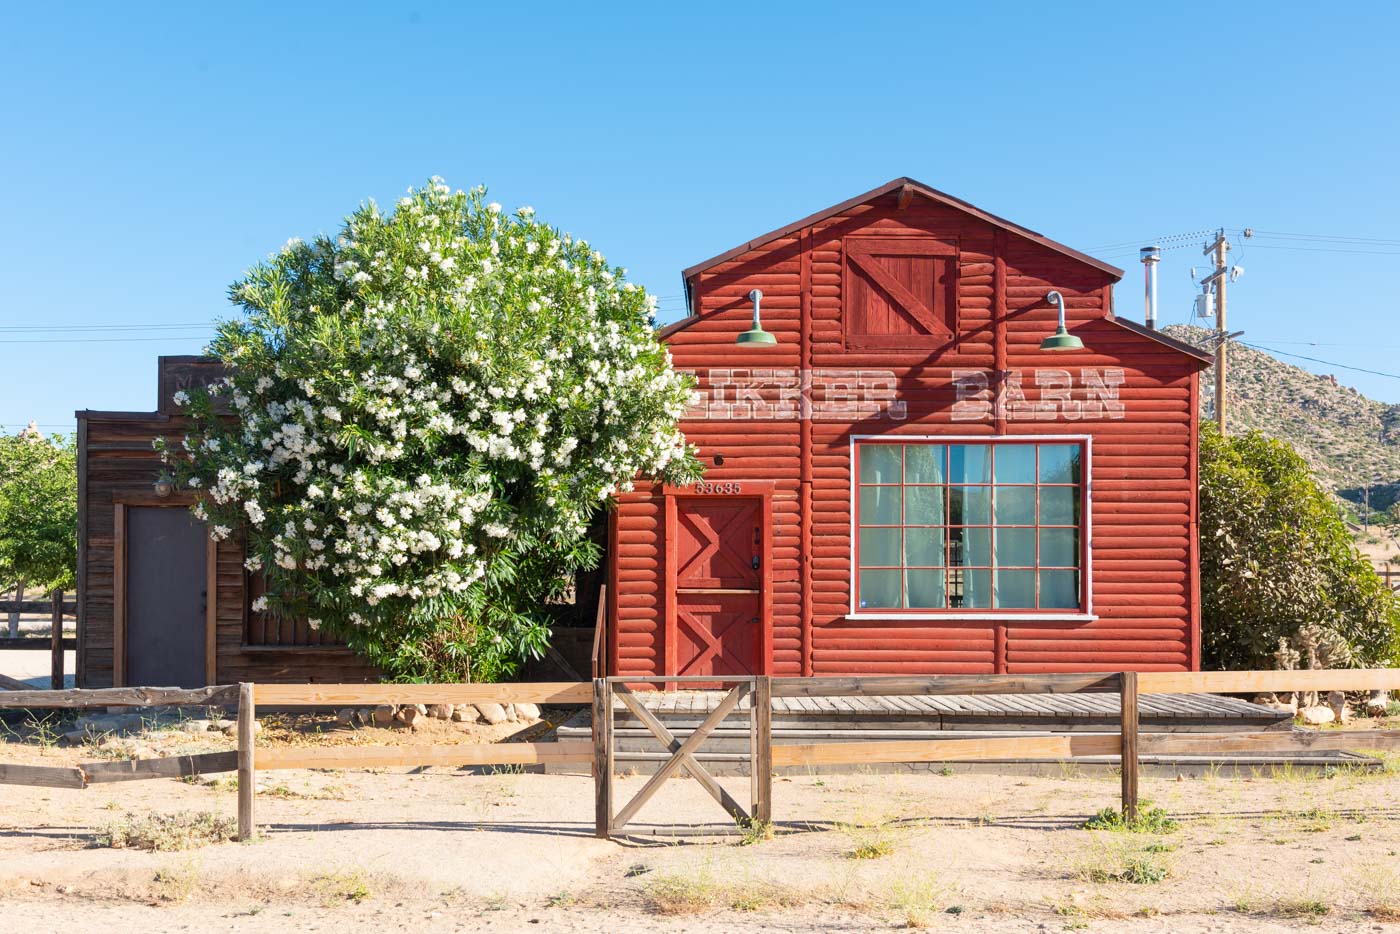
1128 699
247 771
602 758
56 643
762 759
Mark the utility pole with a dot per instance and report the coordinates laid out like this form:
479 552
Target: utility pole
1220 248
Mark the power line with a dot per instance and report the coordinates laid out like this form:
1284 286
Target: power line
75 328
1159 241
1270 340
65 328
1282 235
1296 356
97 340
1323 249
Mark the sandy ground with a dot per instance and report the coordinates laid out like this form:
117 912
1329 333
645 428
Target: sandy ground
445 850
32 666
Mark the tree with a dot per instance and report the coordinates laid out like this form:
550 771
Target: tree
1282 584
423 415
38 510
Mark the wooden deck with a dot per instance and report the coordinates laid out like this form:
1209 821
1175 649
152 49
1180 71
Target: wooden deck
984 712
926 717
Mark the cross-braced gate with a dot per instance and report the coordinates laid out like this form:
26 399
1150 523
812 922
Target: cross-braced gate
757 689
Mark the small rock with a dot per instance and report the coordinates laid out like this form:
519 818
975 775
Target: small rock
109 724
196 726
527 711
510 712
222 724
1318 716
383 714
75 737
464 713
440 711
493 713
1377 704
345 717
364 716
408 713
1338 702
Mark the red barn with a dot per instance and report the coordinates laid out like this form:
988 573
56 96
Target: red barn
902 474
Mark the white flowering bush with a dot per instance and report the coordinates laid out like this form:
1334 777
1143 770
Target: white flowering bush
423 415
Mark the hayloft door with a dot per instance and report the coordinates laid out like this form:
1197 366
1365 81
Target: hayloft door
163 625
718 572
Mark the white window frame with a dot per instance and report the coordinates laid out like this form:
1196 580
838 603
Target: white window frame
1087 615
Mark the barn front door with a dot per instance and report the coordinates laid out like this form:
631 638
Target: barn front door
717 622
163 597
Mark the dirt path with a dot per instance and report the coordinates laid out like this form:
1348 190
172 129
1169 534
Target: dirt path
445 850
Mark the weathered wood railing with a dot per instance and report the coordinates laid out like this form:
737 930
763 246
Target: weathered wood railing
248 759
1128 744
55 643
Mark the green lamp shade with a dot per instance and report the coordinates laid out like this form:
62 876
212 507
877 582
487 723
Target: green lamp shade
755 335
1061 340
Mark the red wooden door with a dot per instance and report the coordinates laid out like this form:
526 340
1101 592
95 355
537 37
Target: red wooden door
718 595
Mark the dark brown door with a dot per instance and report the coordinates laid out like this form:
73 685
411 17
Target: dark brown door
165 597
719 586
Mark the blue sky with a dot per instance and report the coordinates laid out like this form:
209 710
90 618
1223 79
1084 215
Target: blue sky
150 154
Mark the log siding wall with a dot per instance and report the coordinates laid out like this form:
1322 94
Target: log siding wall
1144 588
115 462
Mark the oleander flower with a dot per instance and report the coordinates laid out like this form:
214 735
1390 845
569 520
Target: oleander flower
431 407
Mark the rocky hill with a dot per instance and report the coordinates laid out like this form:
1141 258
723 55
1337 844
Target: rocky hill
1346 437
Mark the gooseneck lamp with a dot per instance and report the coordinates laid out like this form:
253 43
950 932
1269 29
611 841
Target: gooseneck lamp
1062 339
756 334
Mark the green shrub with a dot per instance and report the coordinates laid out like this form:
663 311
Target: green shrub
422 417
161 832
1282 584
1149 819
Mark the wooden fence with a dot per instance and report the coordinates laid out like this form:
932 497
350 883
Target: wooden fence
56 644
1390 575
1128 744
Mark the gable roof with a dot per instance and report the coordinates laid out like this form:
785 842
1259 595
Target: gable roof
1204 357
899 184
917 187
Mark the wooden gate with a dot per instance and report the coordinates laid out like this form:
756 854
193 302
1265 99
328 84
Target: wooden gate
718 585
758 692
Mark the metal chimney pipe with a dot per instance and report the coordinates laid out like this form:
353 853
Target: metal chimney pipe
1151 256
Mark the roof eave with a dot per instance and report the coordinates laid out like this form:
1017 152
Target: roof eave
1205 358
688 275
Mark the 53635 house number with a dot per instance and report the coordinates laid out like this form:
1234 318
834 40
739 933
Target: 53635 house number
729 488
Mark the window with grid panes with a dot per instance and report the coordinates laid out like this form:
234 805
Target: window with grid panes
969 526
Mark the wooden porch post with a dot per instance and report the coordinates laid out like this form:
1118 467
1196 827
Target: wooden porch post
602 758
761 762
1128 695
247 772
56 643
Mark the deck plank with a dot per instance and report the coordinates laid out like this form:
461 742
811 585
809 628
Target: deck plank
1042 711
